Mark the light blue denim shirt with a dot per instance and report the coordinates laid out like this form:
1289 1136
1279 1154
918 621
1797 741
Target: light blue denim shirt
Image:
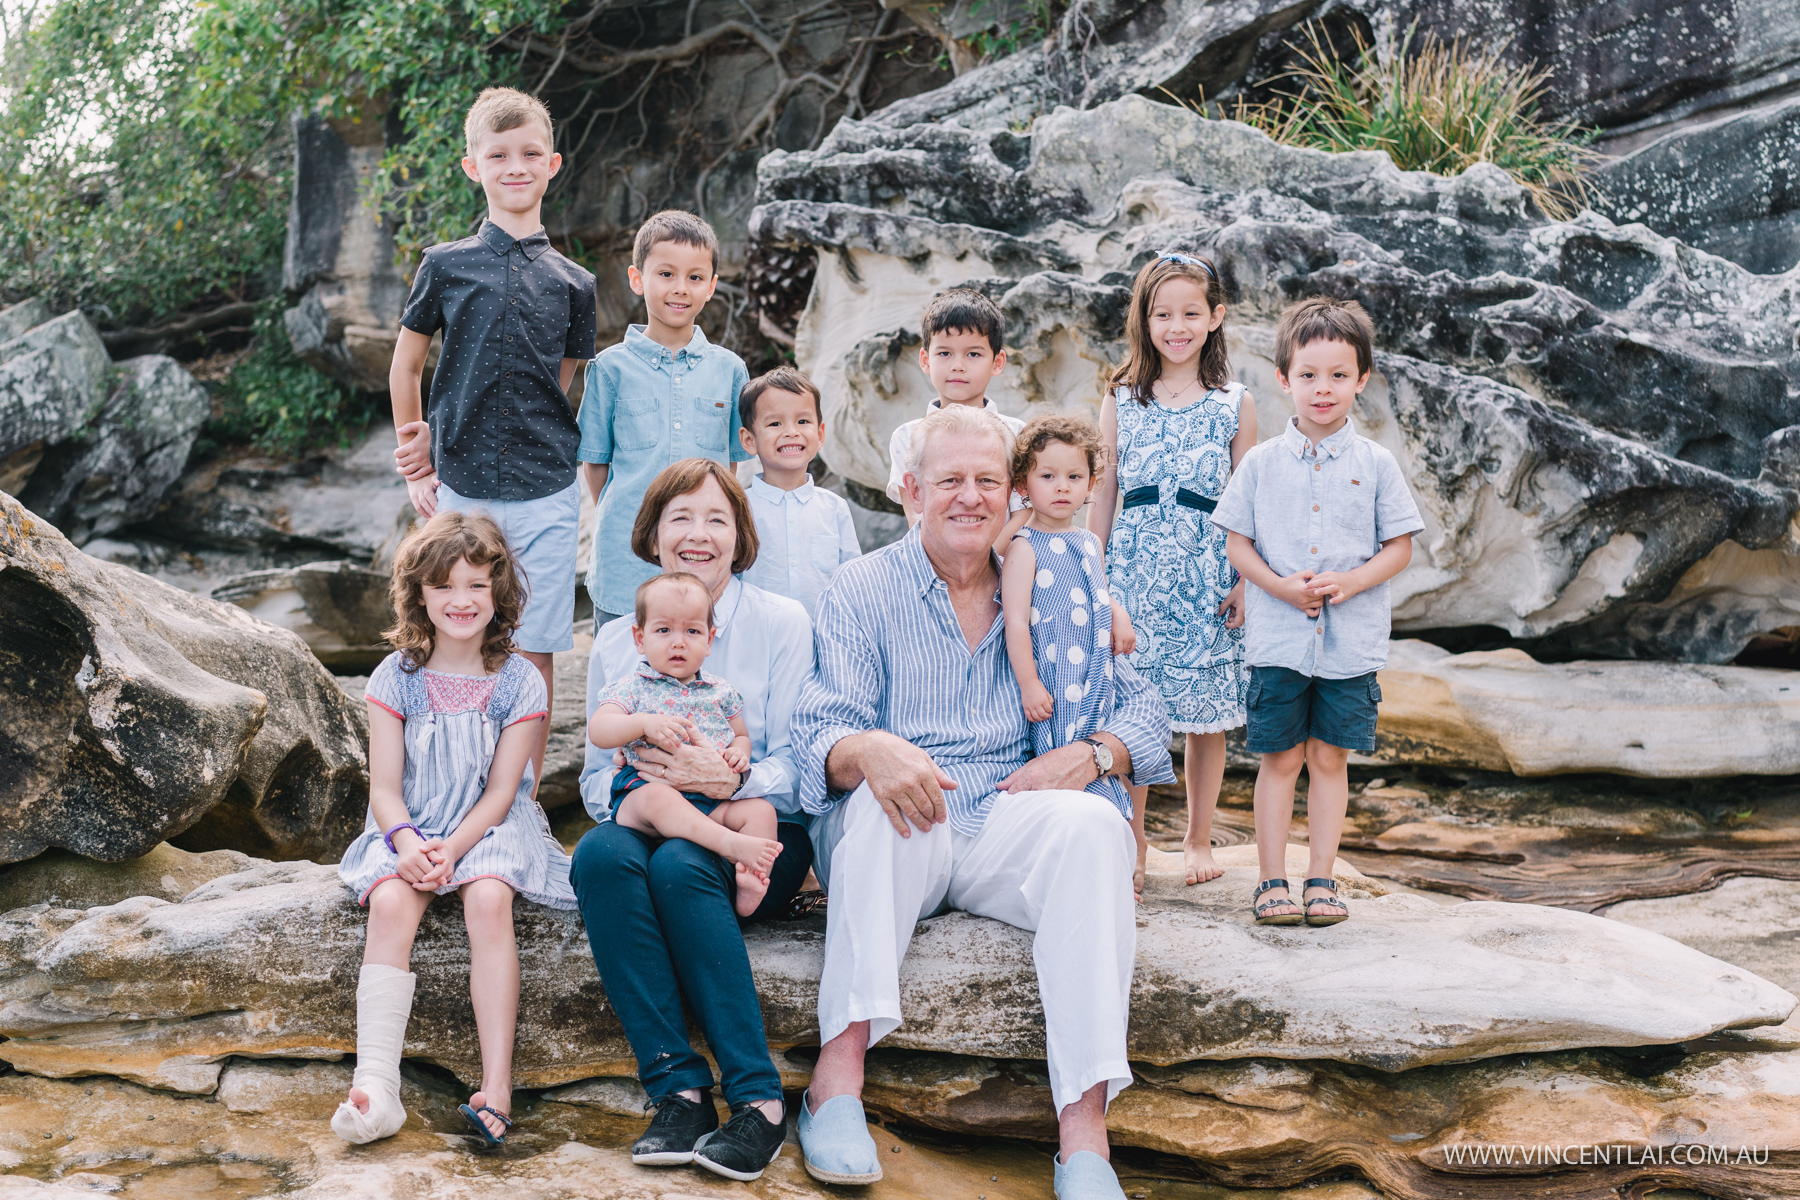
643 408
764 650
1318 508
805 535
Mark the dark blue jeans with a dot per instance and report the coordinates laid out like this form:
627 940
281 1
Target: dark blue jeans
662 928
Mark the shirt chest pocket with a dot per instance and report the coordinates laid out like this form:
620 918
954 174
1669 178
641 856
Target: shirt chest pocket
825 552
711 422
1351 506
637 422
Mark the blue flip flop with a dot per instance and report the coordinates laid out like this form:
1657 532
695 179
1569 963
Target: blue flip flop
474 1118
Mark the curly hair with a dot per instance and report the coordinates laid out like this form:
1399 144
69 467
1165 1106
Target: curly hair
1040 432
1143 363
426 558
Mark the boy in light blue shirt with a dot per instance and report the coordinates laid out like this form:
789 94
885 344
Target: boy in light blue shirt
804 532
663 394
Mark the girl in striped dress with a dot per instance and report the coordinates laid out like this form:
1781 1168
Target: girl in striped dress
453 718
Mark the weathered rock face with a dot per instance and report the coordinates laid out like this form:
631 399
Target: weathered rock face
134 710
1725 186
261 962
116 469
1751 921
90 445
1581 408
63 879
1503 711
338 608
348 503
339 258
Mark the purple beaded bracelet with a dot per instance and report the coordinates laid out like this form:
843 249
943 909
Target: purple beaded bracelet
388 837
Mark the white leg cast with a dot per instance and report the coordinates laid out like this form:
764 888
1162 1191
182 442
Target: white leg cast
881 885
1060 863
384 997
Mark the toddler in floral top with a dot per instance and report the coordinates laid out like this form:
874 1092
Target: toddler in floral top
669 700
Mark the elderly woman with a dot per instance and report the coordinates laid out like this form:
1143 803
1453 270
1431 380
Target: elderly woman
659 913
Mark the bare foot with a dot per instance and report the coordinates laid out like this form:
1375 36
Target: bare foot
359 1099
755 854
495 1126
1200 864
751 888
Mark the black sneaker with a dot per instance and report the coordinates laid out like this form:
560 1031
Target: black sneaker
677 1128
743 1146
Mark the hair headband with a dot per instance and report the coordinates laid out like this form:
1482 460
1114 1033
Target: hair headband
1188 260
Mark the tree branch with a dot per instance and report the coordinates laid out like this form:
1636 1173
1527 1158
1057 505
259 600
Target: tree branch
225 314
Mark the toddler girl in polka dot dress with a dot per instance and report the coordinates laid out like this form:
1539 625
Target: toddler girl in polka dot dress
1062 627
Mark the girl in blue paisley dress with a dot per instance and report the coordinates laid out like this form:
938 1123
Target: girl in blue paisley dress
1176 426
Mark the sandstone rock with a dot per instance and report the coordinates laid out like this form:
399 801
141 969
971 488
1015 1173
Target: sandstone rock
1750 921
1581 408
338 608
114 470
65 880
1721 185
340 257
1429 1132
53 379
1504 711
1580 842
134 710
344 504
261 964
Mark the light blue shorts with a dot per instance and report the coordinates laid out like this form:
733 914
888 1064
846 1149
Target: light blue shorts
542 534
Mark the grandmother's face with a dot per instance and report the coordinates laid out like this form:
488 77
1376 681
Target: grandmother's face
698 534
961 492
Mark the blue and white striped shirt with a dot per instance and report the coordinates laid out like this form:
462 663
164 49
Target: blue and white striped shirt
891 656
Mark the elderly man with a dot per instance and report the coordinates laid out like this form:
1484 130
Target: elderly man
912 745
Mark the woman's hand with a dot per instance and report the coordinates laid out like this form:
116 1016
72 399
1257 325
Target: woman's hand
690 767
1232 608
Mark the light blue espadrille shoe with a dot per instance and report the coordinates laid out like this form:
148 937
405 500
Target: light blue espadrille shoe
1086 1176
835 1144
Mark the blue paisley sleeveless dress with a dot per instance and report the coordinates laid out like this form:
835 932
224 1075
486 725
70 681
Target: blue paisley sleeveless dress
1071 639
1166 560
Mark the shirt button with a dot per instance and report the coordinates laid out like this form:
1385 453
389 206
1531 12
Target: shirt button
678 424
1315 508
1321 631
1315 465
1315 549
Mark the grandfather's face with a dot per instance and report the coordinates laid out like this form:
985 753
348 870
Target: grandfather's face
961 492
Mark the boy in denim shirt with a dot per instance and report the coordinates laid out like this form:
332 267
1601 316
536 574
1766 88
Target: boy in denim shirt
663 394
1319 519
518 320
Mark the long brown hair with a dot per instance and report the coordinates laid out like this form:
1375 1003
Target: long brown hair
1143 364
425 559
681 479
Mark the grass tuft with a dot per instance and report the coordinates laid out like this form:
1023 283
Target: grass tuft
1442 110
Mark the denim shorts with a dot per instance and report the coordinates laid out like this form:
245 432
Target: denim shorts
627 780
1287 708
542 534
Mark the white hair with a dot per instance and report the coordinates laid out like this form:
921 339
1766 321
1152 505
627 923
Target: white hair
959 421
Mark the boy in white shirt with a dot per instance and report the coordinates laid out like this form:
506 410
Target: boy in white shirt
963 349
804 532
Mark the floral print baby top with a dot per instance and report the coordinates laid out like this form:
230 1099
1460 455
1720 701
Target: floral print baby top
706 700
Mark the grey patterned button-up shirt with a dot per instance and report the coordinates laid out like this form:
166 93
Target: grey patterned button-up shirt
511 311
1318 508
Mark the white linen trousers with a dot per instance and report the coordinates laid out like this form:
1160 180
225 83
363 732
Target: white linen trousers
1058 863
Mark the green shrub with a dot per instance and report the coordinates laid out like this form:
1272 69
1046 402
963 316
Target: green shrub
1441 110
279 404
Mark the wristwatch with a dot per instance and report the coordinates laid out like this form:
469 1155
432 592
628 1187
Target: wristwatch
1103 759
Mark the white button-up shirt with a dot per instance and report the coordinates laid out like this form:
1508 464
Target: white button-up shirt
902 441
1318 508
764 650
805 535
